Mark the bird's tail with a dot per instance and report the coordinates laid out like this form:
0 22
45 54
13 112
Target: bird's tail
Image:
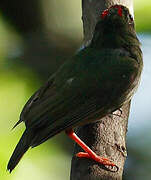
22 146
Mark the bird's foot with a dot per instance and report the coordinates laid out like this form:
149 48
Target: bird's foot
101 160
88 152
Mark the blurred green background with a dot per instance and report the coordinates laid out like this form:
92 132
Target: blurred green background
35 38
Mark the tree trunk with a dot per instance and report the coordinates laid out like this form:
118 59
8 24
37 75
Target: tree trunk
106 137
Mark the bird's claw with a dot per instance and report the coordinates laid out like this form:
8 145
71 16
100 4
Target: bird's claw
101 160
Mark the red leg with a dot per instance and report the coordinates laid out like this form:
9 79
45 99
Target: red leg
88 152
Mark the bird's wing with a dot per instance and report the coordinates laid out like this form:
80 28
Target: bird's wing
79 91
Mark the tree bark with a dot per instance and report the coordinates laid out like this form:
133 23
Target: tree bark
106 137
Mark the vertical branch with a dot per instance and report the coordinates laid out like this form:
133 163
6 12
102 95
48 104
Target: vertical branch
106 137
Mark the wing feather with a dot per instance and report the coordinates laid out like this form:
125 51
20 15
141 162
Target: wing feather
80 91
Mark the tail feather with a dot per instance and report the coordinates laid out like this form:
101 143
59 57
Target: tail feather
22 146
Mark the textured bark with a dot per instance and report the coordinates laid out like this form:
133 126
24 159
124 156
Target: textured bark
106 137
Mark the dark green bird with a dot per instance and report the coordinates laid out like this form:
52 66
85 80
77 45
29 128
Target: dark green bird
93 83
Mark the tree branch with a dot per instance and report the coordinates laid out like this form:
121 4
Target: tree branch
106 137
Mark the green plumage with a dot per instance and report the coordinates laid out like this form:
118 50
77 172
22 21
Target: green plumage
91 84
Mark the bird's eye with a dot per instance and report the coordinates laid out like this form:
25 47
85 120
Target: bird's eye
35 99
131 17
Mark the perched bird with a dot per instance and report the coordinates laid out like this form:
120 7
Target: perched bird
95 82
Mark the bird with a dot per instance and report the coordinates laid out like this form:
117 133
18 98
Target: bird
93 83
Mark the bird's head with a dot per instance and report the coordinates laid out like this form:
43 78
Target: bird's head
114 24
117 15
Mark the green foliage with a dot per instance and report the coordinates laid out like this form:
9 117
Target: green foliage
142 15
40 163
